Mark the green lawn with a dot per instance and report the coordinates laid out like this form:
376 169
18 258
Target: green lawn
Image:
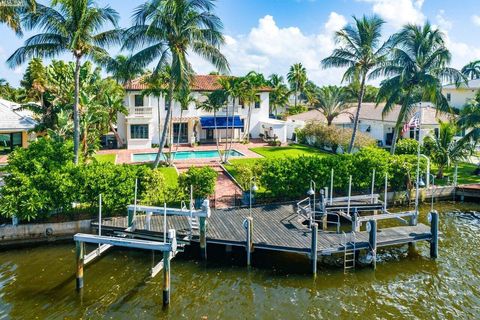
105 158
293 150
465 174
171 176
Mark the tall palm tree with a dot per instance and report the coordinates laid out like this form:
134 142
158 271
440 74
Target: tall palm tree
216 100
122 68
332 102
279 94
12 11
472 70
157 86
360 51
73 26
232 88
184 98
297 77
166 30
249 87
416 70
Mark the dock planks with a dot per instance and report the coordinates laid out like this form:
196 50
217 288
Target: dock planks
275 227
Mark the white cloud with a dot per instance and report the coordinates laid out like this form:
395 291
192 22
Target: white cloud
399 12
443 22
476 19
269 48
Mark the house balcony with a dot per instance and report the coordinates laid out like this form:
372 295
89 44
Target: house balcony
140 112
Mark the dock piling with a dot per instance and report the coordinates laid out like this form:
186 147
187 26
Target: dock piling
166 278
249 239
314 249
80 254
372 241
203 237
434 223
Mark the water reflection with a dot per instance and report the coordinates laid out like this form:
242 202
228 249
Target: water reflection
39 282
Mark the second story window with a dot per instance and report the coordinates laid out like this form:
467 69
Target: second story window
138 100
257 102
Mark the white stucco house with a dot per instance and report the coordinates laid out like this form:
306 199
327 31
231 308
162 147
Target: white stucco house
139 128
458 97
15 124
372 122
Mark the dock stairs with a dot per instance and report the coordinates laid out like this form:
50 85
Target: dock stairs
349 251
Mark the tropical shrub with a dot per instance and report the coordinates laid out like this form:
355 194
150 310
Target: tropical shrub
156 192
331 137
116 183
289 178
406 146
202 181
245 173
39 180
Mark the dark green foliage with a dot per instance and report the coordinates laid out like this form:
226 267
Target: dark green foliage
406 146
289 178
40 180
202 179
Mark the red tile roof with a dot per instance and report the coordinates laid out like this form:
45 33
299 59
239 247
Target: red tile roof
199 83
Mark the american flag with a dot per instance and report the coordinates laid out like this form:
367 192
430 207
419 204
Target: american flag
413 123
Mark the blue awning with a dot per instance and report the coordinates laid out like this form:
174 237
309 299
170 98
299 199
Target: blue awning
208 122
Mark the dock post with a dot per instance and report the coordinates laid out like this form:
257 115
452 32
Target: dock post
130 218
433 217
148 220
166 278
372 241
249 238
314 249
203 237
80 254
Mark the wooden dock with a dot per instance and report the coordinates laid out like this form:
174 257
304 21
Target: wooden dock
275 227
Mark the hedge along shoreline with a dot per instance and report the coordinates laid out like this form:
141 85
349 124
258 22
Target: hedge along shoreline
43 181
289 178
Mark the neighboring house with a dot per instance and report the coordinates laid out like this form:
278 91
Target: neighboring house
140 128
372 122
458 97
14 126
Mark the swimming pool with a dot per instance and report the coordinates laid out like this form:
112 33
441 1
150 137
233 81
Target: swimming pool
184 155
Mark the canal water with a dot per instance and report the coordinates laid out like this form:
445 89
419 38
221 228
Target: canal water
39 283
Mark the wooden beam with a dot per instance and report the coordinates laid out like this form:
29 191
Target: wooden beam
96 253
123 242
172 211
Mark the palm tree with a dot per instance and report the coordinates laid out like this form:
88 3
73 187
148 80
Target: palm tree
416 69
249 87
310 93
447 150
360 51
112 96
157 84
184 98
73 26
472 70
297 77
232 88
216 100
12 11
168 30
332 102
122 68
469 120
279 94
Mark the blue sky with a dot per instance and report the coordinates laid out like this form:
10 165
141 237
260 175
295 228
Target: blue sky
270 35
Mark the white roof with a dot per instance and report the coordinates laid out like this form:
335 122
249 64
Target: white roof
472 84
12 119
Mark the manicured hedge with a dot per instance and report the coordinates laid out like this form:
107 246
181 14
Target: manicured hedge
289 178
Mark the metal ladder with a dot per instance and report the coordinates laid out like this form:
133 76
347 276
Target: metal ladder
349 253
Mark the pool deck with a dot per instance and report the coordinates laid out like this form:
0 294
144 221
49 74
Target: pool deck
124 156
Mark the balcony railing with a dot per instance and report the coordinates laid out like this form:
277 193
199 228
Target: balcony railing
141 112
